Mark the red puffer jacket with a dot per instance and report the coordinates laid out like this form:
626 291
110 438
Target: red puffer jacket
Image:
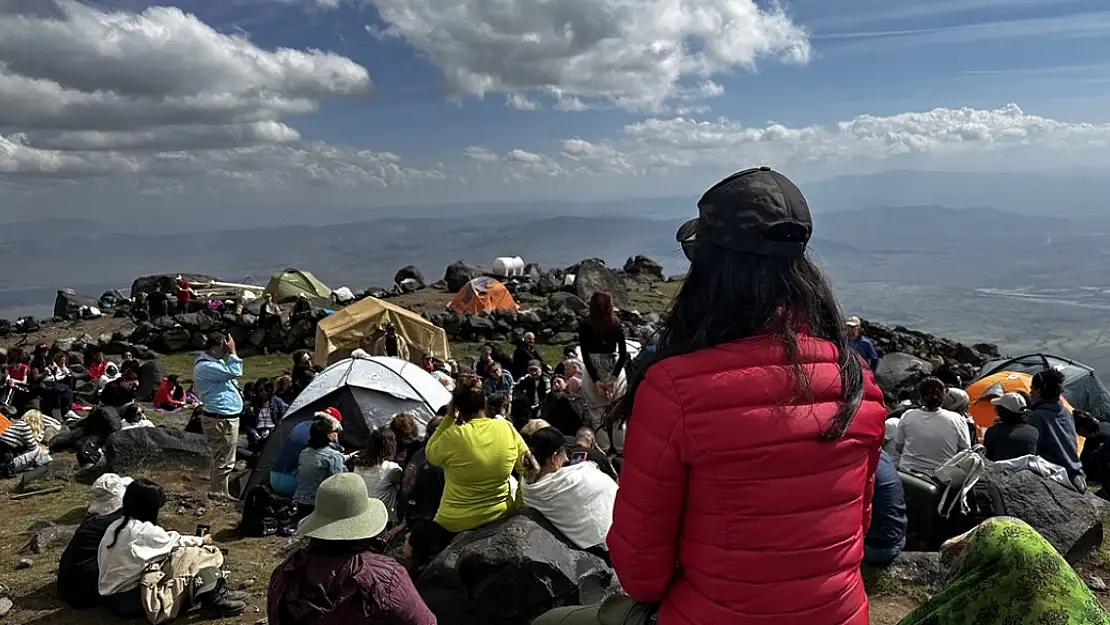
730 511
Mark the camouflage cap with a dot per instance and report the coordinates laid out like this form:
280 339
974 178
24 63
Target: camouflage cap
745 213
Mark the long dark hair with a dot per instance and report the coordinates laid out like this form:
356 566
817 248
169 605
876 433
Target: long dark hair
729 295
382 447
142 501
602 315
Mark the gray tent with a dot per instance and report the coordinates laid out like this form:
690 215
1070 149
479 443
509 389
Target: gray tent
1082 388
368 392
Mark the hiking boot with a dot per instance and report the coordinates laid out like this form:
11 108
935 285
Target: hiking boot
223 602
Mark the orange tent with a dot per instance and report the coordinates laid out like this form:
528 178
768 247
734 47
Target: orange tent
983 391
481 295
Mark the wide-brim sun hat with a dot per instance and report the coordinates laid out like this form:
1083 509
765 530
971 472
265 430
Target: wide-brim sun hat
107 493
344 511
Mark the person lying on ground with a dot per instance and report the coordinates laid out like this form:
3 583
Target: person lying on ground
78 570
338 577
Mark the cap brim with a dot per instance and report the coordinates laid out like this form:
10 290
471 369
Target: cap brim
687 232
364 526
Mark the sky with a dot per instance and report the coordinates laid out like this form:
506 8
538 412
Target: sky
127 105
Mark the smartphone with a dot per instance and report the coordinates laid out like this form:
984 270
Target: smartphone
204 530
576 457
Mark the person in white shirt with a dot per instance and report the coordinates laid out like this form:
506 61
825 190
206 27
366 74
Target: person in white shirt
376 467
135 540
570 492
929 436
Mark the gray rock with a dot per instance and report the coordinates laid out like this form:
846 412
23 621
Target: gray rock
1095 583
510 572
49 536
917 569
570 301
458 274
642 266
60 470
24 563
6 606
155 448
593 276
409 272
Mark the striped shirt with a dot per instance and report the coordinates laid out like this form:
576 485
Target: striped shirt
18 436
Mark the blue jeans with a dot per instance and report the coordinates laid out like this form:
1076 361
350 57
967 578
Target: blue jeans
127 604
283 483
882 557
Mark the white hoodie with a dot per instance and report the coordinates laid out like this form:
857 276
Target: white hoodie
578 500
139 544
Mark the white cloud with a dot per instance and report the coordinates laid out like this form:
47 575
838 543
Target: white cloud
161 96
676 144
521 102
635 54
480 154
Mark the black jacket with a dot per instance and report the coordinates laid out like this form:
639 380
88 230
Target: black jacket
78 572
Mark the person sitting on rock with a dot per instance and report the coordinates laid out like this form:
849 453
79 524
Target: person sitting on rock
577 498
120 392
283 475
1096 446
958 401
421 491
533 387
526 353
98 365
19 447
304 371
1056 441
1011 436
78 570
376 467
930 435
262 414
133 417
319 460
135 540
391 344
338 577
170 396
497 406
886 538
582 447
478 455
498 380
863 345
53 383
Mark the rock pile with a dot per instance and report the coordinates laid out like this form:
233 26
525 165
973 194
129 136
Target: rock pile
910 356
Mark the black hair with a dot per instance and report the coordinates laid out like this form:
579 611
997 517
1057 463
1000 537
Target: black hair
215 340
730 295
433 425
469 401
1005 415
382 447
495 403
1085 424
545 443
142 501
442 412
319 434
932 392
1049 383
570 351
132 413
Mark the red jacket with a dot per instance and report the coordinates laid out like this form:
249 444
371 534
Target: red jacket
730 510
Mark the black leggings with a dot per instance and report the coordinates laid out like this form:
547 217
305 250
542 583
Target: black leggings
427 538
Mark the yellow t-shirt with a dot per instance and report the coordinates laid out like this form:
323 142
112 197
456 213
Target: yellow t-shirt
477 458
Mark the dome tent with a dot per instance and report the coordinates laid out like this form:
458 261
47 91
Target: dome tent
368 391
1082 388
482 295
287 285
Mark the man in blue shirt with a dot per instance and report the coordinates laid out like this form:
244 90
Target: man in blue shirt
886 538
215 375
863 345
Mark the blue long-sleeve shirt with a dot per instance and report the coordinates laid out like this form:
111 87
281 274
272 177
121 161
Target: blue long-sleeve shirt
216 384
866 349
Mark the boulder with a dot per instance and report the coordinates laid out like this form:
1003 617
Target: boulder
592 276
458 274
510 572
60 470
570 301
912 569
644 267
46 535
1071 521
409 272
899 374
155 448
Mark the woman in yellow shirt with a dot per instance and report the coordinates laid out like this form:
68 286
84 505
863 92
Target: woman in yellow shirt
478 455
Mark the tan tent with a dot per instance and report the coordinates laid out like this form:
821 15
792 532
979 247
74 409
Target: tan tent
343 332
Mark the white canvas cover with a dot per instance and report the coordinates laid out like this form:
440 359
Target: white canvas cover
393 376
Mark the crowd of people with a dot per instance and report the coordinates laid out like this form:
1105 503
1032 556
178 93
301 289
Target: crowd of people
741 473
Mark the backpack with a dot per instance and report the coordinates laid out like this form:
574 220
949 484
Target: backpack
958 476
265 512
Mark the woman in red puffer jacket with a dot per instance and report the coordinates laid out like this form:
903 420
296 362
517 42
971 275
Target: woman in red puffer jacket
753 435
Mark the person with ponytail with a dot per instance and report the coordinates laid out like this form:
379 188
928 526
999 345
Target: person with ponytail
753 433
930 435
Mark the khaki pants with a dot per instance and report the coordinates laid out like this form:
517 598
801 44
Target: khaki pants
223 439
616 610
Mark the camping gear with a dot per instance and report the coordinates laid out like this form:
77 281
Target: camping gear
983 390
959 475
343 332
1003 571
508 266
69 303
483 295
922 497
292 283
167 282
368 392
1082 387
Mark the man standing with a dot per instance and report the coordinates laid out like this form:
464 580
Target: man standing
525 353
391 344
215 375
863 345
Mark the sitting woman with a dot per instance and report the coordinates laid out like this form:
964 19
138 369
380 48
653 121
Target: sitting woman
78 571
283 475
262 414
929 436
1004 572
1011 436
170 395
376 467
55 384
337 577
318 461
576 498
478 455
135 540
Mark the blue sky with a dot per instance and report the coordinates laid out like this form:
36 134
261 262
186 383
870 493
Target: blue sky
914 84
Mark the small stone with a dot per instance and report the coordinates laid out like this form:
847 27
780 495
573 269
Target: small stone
6 606
1096 583
247 583
24 563
181 511
202 511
